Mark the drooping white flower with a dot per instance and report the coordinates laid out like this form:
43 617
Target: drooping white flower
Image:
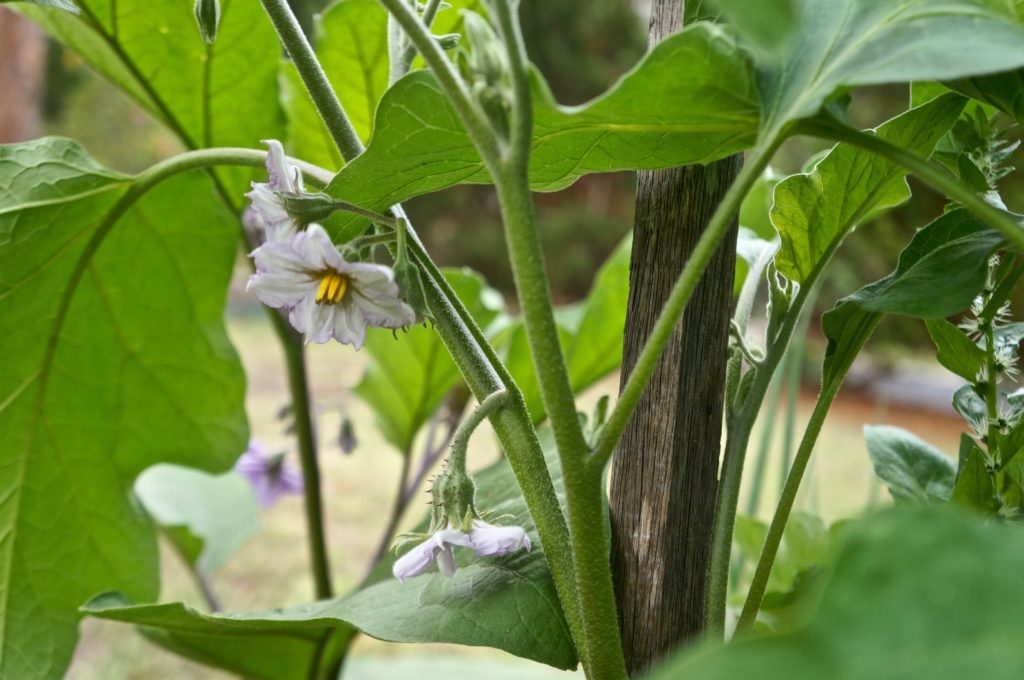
439 547
489 540
325 295
284 178
486 540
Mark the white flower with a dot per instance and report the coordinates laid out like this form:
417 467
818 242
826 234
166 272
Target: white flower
269 206
486 540
325 295
490 540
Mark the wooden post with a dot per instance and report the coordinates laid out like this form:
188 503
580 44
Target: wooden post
22 64
666 466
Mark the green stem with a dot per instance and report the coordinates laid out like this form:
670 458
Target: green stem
301 409
782 512
600 645
460 442
468 110
676 303
314 78
931 174
735 455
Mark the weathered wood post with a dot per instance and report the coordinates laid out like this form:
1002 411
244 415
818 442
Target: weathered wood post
664 473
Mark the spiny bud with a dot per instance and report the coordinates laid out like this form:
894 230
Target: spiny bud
208 16
486 67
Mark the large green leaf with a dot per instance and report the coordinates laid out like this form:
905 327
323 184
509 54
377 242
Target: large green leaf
115 358
691 100
207 517
912 469
411 372
509 603
223 94
939 273
351 44
913 593
814 212
804 546
846 43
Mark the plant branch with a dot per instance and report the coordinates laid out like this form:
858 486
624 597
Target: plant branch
796 474
676 303
460 442
314 78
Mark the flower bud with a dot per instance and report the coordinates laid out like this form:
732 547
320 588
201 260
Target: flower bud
208 16
410 286
453 495
308 208
485 66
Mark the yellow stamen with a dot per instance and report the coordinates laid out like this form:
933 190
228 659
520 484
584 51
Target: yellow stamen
332 288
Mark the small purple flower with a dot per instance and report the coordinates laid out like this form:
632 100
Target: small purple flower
326 296
284 178
270 476
486 540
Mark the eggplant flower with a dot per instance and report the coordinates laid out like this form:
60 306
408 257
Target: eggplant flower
284 178
270 476
326 296
486 540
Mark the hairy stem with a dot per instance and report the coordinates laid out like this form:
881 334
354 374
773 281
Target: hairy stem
313 77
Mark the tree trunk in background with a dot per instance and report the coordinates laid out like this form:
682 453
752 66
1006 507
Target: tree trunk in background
666 466
22 65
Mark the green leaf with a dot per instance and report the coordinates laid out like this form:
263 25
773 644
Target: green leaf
971 407
939 273
767 25
115 358
351 44
805 545
912 469
691 100
1005 91
508 603
223 94
956 351
913 593
595 347
973 487
814 212
207 517
590 334
847 43
278 645
409 373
